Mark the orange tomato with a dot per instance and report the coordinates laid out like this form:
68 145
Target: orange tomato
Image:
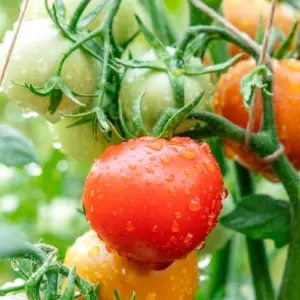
228 103
94 263
246 14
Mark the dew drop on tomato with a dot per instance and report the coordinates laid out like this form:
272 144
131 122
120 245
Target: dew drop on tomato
175 226
188 153
194 204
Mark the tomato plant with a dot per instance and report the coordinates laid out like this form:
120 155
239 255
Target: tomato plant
178 177
113 272
228 102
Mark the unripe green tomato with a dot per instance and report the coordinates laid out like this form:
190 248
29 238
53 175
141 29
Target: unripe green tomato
89 147
35 60
220 235
124 26
159 94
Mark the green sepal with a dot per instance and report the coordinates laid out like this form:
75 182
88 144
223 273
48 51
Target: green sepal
116 294
200 70
68 293
137 118
179 116
162 121
253 80
284 48
55 100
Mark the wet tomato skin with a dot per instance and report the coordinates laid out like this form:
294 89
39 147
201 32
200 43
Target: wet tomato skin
95 264
154 200
286 97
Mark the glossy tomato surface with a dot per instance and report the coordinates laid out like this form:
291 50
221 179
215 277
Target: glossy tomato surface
154 200
286 98
94 263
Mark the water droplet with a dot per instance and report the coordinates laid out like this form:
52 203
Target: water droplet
94 251
129 226
170 178
114 213
156 146
124 176
155 228
173 192
210 165
172 277
132 167
188 153
178 215
188 173
199 168
92 193
177 140
205 147
165 160
188 239
211 219
149 170
187 191
92 208
194 204
132 146
148 181
152 158
201 245
175 226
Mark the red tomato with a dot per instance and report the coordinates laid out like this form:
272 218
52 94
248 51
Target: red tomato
154 200
228 102
246 14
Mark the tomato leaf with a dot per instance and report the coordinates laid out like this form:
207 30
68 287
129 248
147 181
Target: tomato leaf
15 149
261 217
253 80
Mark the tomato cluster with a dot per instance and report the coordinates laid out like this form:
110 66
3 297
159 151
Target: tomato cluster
228 102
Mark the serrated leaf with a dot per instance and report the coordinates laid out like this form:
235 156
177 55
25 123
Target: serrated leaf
200 70
261 217
158 47
15 149
253 80
12 243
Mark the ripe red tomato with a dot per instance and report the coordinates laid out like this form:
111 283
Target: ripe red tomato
246 14
95 264
154 200
228 102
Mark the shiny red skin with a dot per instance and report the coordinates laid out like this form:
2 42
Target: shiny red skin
154 200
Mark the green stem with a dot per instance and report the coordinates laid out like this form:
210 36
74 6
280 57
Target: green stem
12 289
219 268
256 248
52 281
213 32
77 14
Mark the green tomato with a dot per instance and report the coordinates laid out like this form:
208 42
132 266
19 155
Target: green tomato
124 26
79 141
35 59
220 235
159 93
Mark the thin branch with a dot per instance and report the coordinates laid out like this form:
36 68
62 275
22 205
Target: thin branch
230 27
262 59
13 42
